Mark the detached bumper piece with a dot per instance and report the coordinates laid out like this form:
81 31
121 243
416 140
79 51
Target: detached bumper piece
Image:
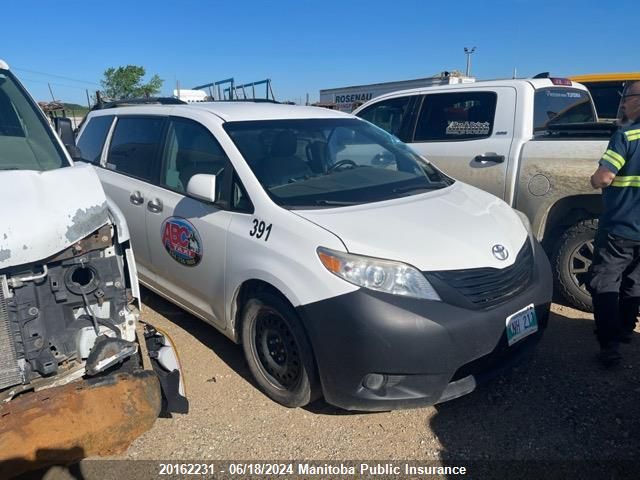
61 425
166 364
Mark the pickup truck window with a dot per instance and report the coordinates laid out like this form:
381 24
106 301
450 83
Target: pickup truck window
606 97
388 114
135 145
93 137
561 105
190 149
456 116
26 141
315 163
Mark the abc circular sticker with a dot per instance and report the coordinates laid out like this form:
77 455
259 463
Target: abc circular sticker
182 241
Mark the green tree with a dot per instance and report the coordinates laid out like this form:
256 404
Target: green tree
126 82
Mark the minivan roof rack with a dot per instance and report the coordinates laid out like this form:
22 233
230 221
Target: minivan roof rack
101 105
253 100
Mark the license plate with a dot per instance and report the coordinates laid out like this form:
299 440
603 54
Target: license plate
521 324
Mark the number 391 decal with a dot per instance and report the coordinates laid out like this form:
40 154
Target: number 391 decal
260 228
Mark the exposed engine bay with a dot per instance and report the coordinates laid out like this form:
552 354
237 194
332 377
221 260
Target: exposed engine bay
70 316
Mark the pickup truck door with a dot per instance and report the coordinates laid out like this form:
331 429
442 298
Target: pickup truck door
468 134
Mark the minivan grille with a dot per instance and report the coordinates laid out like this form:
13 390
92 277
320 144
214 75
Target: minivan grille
487 287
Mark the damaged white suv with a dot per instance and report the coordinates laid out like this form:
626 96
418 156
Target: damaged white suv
73 356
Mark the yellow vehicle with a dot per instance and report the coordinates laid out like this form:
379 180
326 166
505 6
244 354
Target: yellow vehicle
606 88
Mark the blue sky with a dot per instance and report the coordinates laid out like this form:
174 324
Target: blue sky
304 46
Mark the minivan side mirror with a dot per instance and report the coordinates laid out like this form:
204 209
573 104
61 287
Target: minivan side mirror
64 129
203 187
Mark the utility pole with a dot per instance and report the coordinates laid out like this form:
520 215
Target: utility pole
51 92
468 52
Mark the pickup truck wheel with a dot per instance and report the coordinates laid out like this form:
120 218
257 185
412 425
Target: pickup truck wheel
571 260
278 352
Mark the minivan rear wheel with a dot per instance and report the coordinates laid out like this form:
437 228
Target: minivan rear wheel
277 351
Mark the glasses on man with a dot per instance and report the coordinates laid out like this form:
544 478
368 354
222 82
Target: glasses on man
624 97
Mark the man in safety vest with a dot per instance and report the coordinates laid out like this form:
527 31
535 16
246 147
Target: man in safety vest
615 272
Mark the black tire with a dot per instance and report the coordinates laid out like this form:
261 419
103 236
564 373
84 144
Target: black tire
571 260
278 352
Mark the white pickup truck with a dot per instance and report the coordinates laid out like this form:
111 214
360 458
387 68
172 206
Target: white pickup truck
533 143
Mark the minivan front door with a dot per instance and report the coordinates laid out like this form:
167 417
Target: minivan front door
187 236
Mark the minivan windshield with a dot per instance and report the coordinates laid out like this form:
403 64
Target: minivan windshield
26 143
311 163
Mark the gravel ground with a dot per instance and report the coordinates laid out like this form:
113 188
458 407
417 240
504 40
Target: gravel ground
561 406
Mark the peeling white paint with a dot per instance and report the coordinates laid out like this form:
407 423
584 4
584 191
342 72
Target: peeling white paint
47 211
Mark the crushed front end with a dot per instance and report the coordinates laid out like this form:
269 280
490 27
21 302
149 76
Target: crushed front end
80 374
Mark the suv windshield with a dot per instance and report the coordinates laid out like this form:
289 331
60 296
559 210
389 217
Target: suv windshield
25 141
331 162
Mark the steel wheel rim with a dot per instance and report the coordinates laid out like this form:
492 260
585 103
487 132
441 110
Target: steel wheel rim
276 349
579 263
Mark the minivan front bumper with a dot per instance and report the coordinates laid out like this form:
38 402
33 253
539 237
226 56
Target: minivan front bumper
377 351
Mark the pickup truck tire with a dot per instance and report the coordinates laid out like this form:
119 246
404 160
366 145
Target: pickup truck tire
278 352
571 260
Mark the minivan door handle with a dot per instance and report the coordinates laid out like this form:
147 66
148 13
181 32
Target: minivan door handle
136 198
154 205
490 157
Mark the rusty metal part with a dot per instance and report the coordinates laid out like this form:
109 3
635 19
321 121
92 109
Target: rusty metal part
144 352
98 240
61 425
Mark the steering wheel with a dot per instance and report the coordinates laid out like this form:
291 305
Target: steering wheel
342 163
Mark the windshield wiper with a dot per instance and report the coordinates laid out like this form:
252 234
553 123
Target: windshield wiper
334 202
414 188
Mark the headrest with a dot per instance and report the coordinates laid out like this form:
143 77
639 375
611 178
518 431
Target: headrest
285 144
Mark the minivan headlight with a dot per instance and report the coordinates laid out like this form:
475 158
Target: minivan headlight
386 276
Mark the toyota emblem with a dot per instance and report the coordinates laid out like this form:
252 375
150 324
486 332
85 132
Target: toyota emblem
500 252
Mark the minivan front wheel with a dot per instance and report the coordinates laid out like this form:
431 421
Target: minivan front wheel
277 351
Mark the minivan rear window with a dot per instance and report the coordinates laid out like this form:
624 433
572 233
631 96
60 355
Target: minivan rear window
561 105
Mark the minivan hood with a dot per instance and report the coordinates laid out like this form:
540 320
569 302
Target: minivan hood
42 213
448 229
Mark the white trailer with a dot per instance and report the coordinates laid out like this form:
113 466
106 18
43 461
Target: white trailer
347 99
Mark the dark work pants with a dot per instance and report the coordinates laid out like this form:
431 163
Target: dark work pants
615 286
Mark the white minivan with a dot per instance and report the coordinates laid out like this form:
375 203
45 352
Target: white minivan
348 266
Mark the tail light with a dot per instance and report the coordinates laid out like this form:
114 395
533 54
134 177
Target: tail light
561 81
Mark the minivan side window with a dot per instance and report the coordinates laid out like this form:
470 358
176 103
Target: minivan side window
456 116
134 148
93 137
388 114
240 201
190 149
